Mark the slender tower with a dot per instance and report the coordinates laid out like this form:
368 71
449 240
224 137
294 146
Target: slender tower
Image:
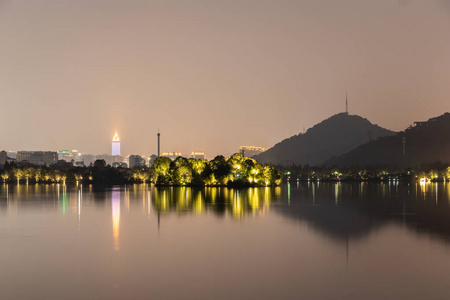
158 143
346 103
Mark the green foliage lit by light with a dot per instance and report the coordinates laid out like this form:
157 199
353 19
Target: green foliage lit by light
235 170
160 170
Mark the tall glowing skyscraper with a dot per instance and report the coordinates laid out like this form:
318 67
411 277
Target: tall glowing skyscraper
115 145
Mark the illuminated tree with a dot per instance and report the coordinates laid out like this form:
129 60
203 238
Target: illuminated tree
160 170
47 176
200 170
18 174
37 175
210 179
181 171
144 176
221 169
78 177
5 176
256 174
433 174
27 173
198 165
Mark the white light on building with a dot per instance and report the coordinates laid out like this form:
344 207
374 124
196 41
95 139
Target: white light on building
115 145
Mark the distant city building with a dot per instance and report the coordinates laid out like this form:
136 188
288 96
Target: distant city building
74 155
118 159
65 155
109 159
88 159
38 157
11 154
119 164
115 149
151 159
249 151
79 164
171 155
6 158
136 161
198 155
77 155
63 163
3 157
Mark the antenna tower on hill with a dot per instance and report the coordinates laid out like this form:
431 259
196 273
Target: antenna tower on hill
346 103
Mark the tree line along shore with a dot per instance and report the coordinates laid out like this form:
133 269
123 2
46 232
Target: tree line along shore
236 170
435 172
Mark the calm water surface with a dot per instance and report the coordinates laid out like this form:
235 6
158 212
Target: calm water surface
305 241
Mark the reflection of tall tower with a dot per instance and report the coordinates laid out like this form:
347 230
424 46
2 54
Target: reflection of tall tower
115 200
158 143
115 145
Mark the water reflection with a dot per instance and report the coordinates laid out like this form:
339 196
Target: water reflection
115 202
221 201
346 211
341 211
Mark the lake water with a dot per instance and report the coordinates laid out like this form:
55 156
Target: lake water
305 241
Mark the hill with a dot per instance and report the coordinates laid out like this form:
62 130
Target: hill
332 137
425 142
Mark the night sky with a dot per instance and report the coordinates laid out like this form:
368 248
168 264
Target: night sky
213 75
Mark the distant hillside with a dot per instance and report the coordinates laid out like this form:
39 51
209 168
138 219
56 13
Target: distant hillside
426 142
332 137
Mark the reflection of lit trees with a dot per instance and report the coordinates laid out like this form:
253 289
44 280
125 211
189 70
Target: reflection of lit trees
238 203
198 203
237 207
181 196
160 200
213 194
253 199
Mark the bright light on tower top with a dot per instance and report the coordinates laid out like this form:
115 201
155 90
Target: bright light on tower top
116 138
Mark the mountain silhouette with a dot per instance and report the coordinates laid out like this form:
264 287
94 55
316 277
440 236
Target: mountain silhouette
332 137
425 142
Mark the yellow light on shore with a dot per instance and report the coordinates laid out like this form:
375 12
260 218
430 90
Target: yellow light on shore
424 180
